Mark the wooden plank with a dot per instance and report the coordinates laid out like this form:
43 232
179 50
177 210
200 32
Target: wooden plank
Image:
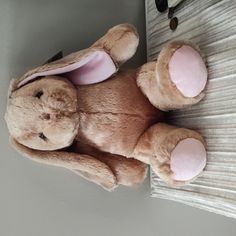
211 25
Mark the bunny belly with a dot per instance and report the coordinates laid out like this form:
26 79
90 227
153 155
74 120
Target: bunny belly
114 113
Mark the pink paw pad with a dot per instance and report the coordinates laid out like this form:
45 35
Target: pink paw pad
188 71
187 159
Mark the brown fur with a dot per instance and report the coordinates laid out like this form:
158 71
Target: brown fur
108 110
110 124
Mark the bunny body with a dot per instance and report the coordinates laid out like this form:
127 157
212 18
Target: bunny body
115 109
83 114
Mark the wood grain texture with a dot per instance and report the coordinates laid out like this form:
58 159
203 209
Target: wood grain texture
211 25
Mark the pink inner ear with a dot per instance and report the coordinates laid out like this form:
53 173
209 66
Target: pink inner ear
98 68
94 68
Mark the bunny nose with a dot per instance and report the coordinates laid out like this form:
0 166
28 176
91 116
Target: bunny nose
53 116
50 116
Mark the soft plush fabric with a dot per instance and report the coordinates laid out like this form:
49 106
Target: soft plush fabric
106 125
187 159
93 68
188 71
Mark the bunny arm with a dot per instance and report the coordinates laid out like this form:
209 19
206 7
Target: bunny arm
128 171
87 166
120 42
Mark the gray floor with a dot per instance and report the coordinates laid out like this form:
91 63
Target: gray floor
41 200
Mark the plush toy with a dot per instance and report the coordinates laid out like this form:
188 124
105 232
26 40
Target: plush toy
80 112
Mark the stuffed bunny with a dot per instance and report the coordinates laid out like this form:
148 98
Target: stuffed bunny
80 112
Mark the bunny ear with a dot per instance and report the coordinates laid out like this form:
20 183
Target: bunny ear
87 166
121 41
88 66
92 65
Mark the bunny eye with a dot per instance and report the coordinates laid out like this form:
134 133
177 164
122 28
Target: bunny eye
38 94
42 136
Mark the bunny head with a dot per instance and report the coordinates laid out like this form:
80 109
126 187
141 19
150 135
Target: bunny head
43 114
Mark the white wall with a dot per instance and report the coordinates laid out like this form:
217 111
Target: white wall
41 200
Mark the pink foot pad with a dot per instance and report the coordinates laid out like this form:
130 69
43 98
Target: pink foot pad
187 159
188 71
